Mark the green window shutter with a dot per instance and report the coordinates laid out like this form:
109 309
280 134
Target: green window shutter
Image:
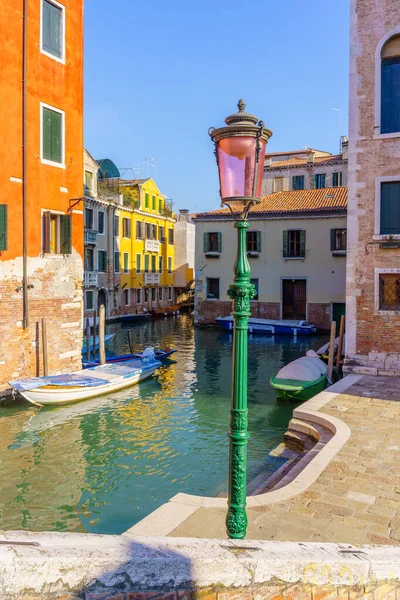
390 208
138 263
153 264
206 242
46 132
301 182
160 206
66 234
56 135
333 240
146 263
160 265
3 227
219 241
153 203
294 183
46 17
285 243
126 261
258 241
55 31
390 95
146 200
116 262
323 178
302 242
315 181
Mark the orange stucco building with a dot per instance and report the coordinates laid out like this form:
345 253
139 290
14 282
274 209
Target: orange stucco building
41 166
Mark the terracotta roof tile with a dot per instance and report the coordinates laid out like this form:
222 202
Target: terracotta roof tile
303 151
297 201
295 161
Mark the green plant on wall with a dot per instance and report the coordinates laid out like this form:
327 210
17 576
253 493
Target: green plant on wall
131 196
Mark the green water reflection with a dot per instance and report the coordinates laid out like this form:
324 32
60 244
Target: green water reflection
104 464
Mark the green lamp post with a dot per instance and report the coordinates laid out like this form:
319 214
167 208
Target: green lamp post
240 152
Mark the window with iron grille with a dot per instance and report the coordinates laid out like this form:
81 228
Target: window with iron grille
212 288
389 291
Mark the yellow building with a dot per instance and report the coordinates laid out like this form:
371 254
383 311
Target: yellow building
144 227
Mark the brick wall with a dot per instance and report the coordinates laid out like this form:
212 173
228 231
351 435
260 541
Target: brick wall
55 293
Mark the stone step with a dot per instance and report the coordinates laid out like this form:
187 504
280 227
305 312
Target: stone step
298 441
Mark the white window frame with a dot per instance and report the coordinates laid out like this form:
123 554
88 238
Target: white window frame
140 271
86 294
58 213
63 28
378 70
84 214
378 271
377 233
127 297
123 262
45 161
104 222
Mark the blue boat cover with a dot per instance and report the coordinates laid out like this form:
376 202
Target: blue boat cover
126 369
61 380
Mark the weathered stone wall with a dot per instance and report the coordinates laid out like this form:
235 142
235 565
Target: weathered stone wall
372 156
54 293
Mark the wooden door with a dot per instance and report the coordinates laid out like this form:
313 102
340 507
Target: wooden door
294 299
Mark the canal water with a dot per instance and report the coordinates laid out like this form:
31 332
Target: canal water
102 465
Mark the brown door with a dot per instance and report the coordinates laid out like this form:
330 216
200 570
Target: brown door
294 299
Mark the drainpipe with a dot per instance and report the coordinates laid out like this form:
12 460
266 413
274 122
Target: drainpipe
25 319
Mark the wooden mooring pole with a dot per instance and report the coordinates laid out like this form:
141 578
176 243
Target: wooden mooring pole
340 343
44 344
87 340
331 350
94 333
102 328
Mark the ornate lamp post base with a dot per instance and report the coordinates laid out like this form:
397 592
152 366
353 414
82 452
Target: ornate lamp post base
241 292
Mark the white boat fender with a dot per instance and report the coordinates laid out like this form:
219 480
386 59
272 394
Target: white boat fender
312 354
148 355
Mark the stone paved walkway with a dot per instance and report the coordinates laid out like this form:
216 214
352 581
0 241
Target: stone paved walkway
355 500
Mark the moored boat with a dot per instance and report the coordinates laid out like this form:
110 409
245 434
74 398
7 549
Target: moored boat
301 379
323 352
88 383
107 340
134 318
168 311
158 355
268 326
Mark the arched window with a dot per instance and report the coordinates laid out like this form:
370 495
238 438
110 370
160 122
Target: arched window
390 86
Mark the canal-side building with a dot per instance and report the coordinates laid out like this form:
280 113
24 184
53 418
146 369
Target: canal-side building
41 211
373 263
296 245
305 169
185 232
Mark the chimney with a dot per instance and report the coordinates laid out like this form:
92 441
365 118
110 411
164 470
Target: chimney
310 158
183 214
267 161
344 145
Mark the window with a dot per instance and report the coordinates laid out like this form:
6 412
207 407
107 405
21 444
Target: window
52 30
153 294
146 201
169 265
126 228
102 261
298 182
160 264
146 263
116 226
153 263
390 86
161 234
139 296
294 243
389 291
3 227
139 230
390 208
89 259
148 231
170 236
117 267
254 241
319 180
88 181
212 241
126 262
338 240
126 297
88 218
138 263
160 294
154 232
146 294
337 179
153 203
212 288
255 283
278 184
100 222
52 137
89 300
56 233
170 293
160 205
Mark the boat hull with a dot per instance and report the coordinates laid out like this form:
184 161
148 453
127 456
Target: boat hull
158 355
269 328
107 340
296 390
53 397
133 318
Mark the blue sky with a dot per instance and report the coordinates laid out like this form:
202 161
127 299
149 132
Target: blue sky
159 73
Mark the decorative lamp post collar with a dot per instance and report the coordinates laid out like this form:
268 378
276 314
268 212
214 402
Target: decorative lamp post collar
240 153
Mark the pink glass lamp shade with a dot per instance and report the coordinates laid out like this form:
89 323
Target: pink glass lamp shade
240 151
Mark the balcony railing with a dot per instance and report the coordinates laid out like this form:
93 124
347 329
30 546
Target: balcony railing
151 245
151 278
90 236
90 279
